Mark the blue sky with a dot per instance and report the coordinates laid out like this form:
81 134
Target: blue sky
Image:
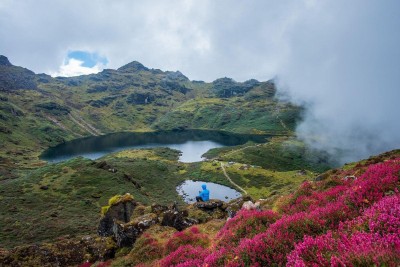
89 59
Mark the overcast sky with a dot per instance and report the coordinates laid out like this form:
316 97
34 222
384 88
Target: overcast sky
340 57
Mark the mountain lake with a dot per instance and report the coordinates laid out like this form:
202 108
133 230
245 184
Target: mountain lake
192 143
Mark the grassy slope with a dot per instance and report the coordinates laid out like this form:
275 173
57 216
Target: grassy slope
78 188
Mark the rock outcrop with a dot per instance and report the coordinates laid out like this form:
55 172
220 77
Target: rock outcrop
125 234
14 77
236 204
209 205
4 61
177 219
134 66
119 210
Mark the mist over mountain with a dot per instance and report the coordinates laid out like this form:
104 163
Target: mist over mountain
348 76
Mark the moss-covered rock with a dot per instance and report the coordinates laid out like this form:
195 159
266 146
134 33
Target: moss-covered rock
120 209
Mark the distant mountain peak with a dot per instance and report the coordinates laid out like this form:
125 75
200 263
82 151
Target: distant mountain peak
4 61
133 67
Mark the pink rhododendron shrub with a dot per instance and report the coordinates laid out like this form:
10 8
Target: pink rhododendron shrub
314 199
272 246
332 214
359 249
383 217
369 249
147 248
186 255
246 223
370 239
372 185
218 257
191 236
317 199
312 251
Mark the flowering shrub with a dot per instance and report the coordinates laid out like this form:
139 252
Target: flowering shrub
384 217
272 246
217 257
185 256
371 239
147 248
373 184
300 202
246 223
360 249
191 236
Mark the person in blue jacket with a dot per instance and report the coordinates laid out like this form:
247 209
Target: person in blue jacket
204 195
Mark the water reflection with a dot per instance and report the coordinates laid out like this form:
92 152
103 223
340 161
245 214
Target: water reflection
190 189
192 143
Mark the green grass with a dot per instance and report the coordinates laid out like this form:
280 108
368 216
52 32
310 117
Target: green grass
78 188
76 191
278 154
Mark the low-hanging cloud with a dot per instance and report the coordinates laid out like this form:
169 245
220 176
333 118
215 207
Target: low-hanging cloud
344 63
340 58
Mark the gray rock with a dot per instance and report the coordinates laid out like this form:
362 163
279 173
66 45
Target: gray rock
209 205
126 234
177 219
236 204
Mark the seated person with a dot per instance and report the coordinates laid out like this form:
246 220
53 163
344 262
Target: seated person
204 195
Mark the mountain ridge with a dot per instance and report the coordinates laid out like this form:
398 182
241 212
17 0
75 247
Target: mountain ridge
37 110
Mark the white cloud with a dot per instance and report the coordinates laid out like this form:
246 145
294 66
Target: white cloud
73 67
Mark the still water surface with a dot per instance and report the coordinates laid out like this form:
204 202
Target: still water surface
193 144
190 189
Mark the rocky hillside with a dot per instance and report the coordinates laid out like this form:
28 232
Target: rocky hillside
346 217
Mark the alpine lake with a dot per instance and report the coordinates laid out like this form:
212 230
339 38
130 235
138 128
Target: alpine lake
192 144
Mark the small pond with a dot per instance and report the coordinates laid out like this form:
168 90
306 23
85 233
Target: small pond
192 143
190 189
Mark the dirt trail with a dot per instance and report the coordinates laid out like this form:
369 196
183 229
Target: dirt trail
230 180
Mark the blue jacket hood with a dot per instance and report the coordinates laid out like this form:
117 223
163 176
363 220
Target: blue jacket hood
204 186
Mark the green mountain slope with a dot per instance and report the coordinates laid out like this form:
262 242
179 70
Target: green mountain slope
37 111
